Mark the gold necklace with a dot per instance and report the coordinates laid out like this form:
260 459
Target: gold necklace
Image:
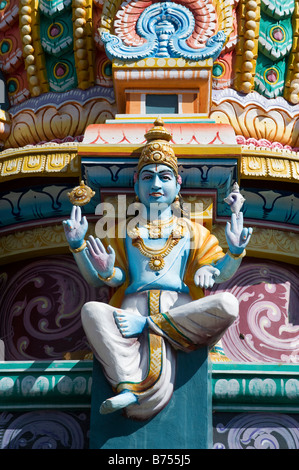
155 228
156 261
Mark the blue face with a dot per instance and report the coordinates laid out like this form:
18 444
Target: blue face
157 184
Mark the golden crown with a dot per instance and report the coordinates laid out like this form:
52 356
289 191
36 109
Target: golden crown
158 150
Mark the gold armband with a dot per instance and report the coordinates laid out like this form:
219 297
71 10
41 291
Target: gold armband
236 256
107 279
77 250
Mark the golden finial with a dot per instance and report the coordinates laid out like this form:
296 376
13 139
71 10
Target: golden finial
158 131
81 195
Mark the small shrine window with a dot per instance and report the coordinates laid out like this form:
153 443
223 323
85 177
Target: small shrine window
161 104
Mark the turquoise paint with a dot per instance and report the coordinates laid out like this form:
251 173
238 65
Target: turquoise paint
159 104
185 423
256 387
237 392
45 385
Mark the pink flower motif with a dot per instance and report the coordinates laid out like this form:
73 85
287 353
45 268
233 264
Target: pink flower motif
240 139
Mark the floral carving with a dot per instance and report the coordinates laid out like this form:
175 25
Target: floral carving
58 120
254 116
257 431
41 302
267 329
43 430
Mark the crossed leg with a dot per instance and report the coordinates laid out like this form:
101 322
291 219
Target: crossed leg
201 320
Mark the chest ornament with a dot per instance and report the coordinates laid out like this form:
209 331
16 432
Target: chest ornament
156 256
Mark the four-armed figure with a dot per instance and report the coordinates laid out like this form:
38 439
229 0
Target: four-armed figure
159 268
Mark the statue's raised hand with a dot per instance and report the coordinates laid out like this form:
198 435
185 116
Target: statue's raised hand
75 228
102 260
237 236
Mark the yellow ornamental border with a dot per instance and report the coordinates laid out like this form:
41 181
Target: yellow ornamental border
291 90
39 161
34 242
247 45
165 62
83 43
224 10
32 50
263 164
267 243
63 159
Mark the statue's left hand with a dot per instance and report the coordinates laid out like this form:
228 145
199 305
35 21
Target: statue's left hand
237 236
205 276
102 260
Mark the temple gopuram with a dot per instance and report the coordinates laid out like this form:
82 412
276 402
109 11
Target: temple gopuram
81 83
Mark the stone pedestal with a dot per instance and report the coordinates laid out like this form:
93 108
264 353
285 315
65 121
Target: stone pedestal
185 423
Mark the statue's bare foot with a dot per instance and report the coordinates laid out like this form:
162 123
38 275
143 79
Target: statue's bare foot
129 324
118 402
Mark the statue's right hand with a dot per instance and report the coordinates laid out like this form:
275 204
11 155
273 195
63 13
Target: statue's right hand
102 260
75 228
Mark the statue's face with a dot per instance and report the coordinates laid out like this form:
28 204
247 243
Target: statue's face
157 184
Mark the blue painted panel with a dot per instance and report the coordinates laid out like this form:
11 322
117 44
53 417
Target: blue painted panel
185 423
271 206
161 104
36 203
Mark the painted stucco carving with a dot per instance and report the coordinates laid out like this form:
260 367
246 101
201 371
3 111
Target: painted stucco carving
252 115
50 52
54 117
257 430
166 30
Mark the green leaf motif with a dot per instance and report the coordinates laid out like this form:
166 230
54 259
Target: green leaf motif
276 37
270 77
278 8
56 37
52 7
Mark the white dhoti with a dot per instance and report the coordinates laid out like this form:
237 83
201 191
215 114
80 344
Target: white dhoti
146 365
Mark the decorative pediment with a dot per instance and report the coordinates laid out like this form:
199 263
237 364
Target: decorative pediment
165 30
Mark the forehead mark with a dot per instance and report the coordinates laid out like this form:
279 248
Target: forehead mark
164 171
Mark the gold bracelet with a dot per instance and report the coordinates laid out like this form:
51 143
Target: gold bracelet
236 256
77 250
107 279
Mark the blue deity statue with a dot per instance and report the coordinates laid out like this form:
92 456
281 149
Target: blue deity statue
159 268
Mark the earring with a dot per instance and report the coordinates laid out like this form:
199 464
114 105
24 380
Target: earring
176 206
136 203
